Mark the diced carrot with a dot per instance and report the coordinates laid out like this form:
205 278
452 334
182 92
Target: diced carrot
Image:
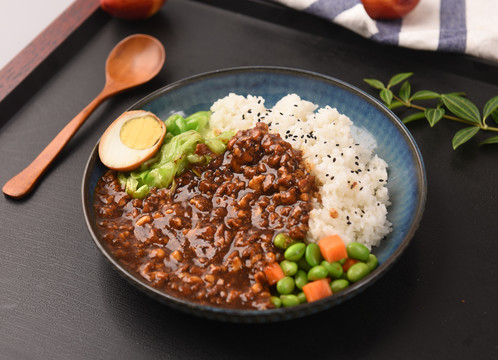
273 273
332 248
348 263
317 290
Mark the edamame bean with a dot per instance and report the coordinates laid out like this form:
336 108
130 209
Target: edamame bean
275 300
334 269
357 251
317 272
301 279
357 272
303 264
302 297
289 300
372 262
338 285
313 255
286 285
295 252
283 241
288 267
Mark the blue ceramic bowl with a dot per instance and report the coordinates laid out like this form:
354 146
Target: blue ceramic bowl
374 126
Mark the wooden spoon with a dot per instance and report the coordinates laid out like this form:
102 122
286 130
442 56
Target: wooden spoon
132 62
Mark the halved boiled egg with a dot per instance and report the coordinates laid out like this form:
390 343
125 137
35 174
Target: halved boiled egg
131 139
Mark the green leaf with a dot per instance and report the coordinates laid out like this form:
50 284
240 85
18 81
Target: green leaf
434 115
386 95
490 107
374 83
462 107
396 79
404 91
413 117
495 116
395 104
464 135
425 95
491 140
457 93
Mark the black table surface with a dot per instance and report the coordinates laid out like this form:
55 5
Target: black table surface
60 298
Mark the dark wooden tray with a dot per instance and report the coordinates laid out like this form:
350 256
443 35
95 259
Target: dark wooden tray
59 298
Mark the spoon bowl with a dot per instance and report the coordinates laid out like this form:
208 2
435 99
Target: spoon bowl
132 62
135 60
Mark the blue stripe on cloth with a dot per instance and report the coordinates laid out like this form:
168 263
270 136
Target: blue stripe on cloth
388 31
330 9
453 27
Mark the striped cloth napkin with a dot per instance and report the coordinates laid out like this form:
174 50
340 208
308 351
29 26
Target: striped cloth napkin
462 26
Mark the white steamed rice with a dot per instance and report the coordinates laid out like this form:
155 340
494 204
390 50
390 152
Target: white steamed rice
354 196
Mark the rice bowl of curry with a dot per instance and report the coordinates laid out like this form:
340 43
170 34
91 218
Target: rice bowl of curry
278 155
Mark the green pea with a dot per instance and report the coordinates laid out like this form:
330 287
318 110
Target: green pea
288 267
357 272
372 262
301 297
295 252
289 300
313 255
275 300
283 241
317 272
301 279
334 269
357 251
338 285
303 264
286 285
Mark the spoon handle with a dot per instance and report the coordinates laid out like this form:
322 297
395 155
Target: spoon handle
21 184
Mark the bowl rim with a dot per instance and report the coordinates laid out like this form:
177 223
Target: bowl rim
259 316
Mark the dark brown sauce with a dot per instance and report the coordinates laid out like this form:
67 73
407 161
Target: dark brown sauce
210 239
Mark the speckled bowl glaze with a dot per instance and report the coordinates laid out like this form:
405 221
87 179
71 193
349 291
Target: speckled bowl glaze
374 126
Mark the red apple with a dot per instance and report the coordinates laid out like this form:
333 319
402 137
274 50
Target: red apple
388 9
131 9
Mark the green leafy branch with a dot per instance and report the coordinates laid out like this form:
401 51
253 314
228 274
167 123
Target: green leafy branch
460 108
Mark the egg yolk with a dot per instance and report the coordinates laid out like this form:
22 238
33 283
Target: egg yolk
140 133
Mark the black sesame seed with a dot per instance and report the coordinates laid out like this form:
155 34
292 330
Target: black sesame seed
333 160
356 163
249 111
349 223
